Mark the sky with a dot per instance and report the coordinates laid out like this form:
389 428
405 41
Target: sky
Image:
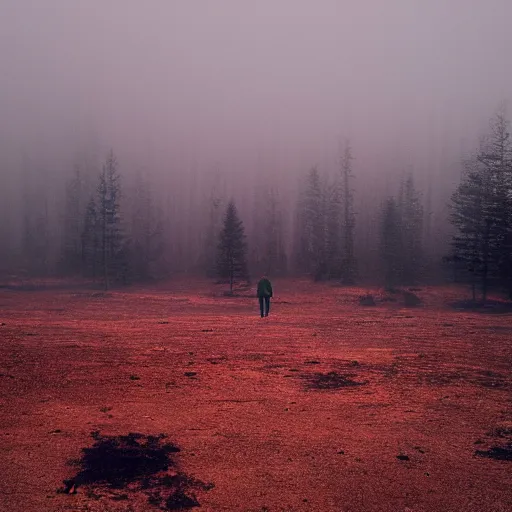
236 82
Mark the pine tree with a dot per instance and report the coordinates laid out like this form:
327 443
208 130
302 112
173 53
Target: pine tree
471 243
113 248
213 228
496 159
311 228
390 243
90 241
232 249
348 266
411 231
147 233
333 230
73 228
274 254
35 238
482 212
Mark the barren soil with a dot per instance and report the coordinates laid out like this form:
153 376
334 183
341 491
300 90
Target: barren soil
326 405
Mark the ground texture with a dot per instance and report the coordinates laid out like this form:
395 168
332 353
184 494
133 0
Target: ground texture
178 397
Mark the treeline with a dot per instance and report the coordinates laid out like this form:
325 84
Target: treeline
482 215
115 225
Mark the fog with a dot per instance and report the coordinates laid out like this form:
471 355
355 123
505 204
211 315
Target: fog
272 87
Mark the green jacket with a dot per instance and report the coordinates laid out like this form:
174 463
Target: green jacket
264 288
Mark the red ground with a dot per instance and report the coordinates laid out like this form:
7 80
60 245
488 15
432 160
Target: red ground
436 381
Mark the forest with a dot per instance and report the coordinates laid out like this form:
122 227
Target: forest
100 220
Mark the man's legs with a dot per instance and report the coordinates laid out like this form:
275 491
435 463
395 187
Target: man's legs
267 305
261 306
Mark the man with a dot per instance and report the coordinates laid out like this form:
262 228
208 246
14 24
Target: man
264 293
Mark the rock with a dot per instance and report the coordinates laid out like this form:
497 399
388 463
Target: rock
411 300
367 300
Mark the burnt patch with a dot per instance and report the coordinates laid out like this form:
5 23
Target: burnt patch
331 380
497 452
501 432
489 379
134 463
492 384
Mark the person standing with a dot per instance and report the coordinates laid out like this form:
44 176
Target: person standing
264 293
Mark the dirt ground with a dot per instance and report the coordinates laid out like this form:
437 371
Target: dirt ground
326 405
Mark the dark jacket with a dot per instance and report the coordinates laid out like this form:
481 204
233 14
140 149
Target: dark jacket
264 288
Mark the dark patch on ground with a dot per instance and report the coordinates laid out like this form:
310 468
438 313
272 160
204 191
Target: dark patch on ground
485 379
492 383
217 360
134 463
331 380
255 357
497 452
500 432
490 306
497 328
439 379
402 457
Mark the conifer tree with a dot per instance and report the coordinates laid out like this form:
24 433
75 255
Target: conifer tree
147 233
411 231
112 246
313 227
274 255
333 230
232 249
390 243
348 265
482 212
73 228
90 241
213 228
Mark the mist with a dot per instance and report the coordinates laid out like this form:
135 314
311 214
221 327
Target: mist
234 95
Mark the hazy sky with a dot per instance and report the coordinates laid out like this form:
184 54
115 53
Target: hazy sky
220 80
